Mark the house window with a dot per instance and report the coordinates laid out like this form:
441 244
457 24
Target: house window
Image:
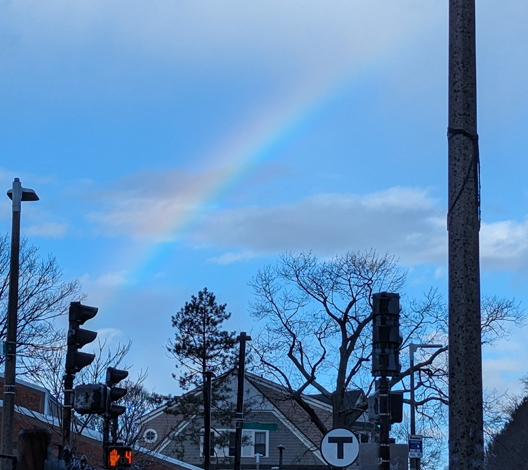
253 442
260 443
150 436
232 443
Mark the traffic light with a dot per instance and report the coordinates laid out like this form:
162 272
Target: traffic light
386 339
78 337
395 407
118 456
113 377
90 399
373 408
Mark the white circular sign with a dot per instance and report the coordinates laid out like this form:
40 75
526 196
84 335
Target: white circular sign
340 447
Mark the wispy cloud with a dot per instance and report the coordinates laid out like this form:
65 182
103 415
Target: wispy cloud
403 221
47 230
504 245
107 280
407 222
148 205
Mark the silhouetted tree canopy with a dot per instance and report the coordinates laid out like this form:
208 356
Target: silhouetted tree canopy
506 450
201 344
42 297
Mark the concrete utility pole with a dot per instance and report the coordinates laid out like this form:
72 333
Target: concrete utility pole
466 443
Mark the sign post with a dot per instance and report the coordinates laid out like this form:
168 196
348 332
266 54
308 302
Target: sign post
415 447
340 447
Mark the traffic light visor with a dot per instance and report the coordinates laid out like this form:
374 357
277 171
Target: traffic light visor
80 313
114 375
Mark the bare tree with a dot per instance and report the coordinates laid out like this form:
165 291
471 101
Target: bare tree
43 297
138 401
317 335
318 321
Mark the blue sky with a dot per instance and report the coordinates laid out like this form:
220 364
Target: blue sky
177 145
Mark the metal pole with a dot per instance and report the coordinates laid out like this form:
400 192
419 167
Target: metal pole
384 398
412 348
466 443
11 336
240 398
67 411
17 195
415 463
207 419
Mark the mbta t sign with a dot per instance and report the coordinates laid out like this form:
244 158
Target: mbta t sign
340 447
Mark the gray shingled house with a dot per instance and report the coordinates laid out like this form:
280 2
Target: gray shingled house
273 419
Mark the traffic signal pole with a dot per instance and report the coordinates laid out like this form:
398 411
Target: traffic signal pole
384 397
386 342
67 409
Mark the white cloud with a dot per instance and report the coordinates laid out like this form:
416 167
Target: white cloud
504 245
112 338
403 221
503 374
107 280
406 222
149 205
229 258
295 36
47 230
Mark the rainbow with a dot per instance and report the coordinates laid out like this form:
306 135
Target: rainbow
255 141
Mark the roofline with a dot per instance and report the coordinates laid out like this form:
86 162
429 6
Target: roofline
293 428
27 384
309 399
52 421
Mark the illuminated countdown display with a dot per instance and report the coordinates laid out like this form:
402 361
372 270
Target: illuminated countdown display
119 456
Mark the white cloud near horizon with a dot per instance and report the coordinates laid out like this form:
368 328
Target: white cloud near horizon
47 230
406 222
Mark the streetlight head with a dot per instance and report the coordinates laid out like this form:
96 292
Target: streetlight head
27 194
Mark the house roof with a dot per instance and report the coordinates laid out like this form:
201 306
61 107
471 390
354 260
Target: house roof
30 413
287 410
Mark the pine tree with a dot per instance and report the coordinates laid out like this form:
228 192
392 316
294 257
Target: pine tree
201 344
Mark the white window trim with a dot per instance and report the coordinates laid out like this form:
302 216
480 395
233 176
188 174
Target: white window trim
251 447
247 451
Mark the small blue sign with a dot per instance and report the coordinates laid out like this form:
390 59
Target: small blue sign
415 447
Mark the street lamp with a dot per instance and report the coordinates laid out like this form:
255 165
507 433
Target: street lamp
17 195
415 463
281 452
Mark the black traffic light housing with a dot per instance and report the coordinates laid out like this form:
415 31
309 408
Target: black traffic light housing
90 399
78 337
386 339
395 407
113 377
114 455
